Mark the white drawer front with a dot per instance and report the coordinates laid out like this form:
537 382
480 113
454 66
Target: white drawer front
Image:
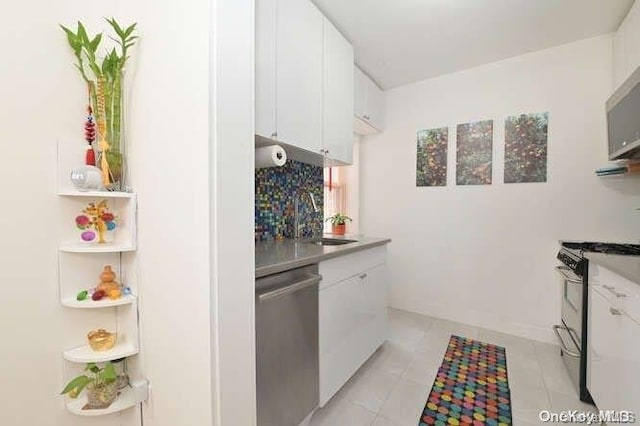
347 266
614 364
621 293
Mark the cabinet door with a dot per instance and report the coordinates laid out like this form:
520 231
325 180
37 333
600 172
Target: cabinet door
266 68
614 365
374 105
341 317
359 92
337 98
374 295
299 74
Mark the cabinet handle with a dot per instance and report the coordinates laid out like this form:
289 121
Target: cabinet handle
615 311
612 289
363 276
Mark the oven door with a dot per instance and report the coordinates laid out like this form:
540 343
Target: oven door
571 303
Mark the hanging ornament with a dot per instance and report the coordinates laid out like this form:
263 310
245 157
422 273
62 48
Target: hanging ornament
90 134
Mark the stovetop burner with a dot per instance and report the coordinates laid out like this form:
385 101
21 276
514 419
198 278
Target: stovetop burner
608 248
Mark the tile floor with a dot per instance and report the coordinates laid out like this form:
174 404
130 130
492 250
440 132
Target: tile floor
391 388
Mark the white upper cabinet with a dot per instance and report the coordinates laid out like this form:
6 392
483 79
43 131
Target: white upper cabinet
626 46
299 74
337 100
304 82
266 19
368 102
359 92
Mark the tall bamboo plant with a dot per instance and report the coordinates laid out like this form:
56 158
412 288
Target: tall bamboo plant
104 78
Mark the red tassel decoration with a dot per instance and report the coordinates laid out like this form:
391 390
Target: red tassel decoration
90 136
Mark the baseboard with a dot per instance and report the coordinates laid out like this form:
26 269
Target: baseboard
481 319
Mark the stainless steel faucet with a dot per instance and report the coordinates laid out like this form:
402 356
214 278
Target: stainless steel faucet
301 192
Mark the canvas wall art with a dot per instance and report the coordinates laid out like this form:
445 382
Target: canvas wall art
431 167
525 148
474 153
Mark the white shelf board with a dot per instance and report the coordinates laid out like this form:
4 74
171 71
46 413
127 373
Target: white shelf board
71 302
80 247
128 398
96 194
85 354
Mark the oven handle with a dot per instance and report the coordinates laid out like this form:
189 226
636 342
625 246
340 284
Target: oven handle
566 350
565 271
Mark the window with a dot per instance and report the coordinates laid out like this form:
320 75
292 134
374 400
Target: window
335 191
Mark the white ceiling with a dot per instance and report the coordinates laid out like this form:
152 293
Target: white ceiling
401 41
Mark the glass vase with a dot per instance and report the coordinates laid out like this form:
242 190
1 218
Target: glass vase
110 118
101 396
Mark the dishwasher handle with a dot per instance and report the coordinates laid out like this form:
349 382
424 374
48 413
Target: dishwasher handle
312 279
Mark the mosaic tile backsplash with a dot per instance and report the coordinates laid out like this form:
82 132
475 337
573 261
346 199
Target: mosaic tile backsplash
276 188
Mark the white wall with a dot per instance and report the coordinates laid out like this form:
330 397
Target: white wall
352 181
170 147
485 254
232 207
169 117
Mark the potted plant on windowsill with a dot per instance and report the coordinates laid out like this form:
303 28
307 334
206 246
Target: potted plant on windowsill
338 223
101 384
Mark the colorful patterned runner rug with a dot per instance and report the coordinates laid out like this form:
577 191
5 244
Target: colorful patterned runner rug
471 387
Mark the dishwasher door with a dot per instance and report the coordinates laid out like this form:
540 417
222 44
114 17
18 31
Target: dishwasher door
287 373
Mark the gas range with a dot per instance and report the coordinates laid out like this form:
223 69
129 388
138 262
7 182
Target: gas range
572 253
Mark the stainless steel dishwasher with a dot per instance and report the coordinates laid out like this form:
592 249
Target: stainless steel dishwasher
287 346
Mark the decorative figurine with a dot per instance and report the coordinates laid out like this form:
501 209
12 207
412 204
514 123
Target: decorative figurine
101 340
96 218
108 284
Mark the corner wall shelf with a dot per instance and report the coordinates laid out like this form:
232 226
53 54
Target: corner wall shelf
79 269
96 194
79 247
71 302
129 397
85 354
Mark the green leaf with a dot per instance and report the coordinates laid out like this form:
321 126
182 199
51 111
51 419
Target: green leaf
116 27
95 42
79 383
93 367
109 373
82 33
129 30
71 37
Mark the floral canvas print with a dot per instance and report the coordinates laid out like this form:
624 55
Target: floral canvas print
525 148
431 168
474 153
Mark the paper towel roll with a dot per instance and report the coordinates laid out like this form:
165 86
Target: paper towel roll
270 156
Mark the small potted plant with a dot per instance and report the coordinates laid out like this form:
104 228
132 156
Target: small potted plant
101 384
338 223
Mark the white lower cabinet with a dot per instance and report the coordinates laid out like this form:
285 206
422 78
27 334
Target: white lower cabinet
353 315
613 369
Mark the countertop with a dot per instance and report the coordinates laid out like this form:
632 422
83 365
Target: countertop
279 256
626 266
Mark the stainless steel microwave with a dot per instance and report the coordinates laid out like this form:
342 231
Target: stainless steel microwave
623 119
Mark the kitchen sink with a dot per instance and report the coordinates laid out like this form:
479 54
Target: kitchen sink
330 242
